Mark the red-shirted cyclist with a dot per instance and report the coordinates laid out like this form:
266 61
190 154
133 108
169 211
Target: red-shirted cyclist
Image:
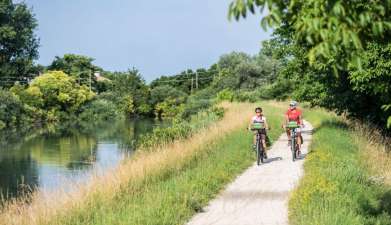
294 114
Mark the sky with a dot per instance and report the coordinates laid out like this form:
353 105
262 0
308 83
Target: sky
156 37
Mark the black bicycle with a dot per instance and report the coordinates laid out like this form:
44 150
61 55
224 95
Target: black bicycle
259 149
294 145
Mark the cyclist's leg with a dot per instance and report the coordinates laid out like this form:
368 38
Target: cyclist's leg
288 134
255 138
263 137
298 138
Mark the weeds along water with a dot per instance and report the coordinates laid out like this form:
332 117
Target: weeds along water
106 198
180 129
338 185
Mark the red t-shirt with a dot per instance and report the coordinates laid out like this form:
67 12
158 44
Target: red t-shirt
294 115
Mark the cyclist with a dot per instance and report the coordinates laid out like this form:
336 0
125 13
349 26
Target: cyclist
259 118
294 114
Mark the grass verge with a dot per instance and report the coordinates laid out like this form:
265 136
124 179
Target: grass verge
165 186
338 186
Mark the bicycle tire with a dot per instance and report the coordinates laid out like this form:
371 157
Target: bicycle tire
293 146
258 153
261 152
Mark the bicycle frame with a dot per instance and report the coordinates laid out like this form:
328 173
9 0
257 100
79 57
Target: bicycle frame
294 148
259 148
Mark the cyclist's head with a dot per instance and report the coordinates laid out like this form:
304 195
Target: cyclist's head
293 104
258 110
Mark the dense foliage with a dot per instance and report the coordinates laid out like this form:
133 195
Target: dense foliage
78 66
53 96
73 88
337 52
18 42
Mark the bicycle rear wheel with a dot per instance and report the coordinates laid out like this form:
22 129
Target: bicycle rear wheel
293 148
258 153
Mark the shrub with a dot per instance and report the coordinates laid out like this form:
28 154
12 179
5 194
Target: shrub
225 95
98 110
246 96
279 90
169 108
11 109
180 128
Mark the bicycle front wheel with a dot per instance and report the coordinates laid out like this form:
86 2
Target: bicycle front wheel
293 148
258 153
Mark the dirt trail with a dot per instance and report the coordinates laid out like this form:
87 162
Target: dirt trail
259 195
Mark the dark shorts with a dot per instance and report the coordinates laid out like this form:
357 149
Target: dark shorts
262 133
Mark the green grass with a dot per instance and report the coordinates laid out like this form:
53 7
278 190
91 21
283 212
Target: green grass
336 188
175 195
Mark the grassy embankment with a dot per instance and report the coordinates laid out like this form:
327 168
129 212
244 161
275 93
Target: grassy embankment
166 186
347 176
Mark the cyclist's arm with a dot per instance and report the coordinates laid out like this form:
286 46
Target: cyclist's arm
249 125
286 120
266 125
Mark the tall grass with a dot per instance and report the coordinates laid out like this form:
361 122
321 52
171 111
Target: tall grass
338 187
375 151
145 188
180 129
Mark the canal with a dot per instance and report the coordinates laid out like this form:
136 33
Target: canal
48 159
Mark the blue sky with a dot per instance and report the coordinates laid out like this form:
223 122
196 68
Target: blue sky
156 37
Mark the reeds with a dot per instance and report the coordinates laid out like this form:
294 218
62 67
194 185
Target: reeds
375 151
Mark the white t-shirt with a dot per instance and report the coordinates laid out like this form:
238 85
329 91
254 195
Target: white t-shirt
258 119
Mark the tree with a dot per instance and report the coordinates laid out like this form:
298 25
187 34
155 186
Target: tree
11 109
337 50
130 85
241 71
200 79
162 92
55 94
18 43
78 66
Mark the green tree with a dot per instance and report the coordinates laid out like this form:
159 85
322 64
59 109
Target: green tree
19 45
170 107
11 109
78 66
162 92
54 93
338 49
130 85
241 71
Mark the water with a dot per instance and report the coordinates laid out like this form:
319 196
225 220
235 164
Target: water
48 159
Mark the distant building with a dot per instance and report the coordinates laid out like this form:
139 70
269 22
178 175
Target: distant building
99 77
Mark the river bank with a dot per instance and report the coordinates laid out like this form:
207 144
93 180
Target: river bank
101 194
48 158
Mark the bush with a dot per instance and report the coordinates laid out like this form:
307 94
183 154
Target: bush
180 128
225 95
11 109
99 110
246 96
279 90
169 108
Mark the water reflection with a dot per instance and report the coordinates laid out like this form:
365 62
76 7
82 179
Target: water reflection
48 158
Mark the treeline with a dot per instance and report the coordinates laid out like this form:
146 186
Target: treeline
73 89
336 53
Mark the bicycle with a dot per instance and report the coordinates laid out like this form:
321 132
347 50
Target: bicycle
259 148
294 145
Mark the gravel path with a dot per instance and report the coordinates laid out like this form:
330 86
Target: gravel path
259 195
